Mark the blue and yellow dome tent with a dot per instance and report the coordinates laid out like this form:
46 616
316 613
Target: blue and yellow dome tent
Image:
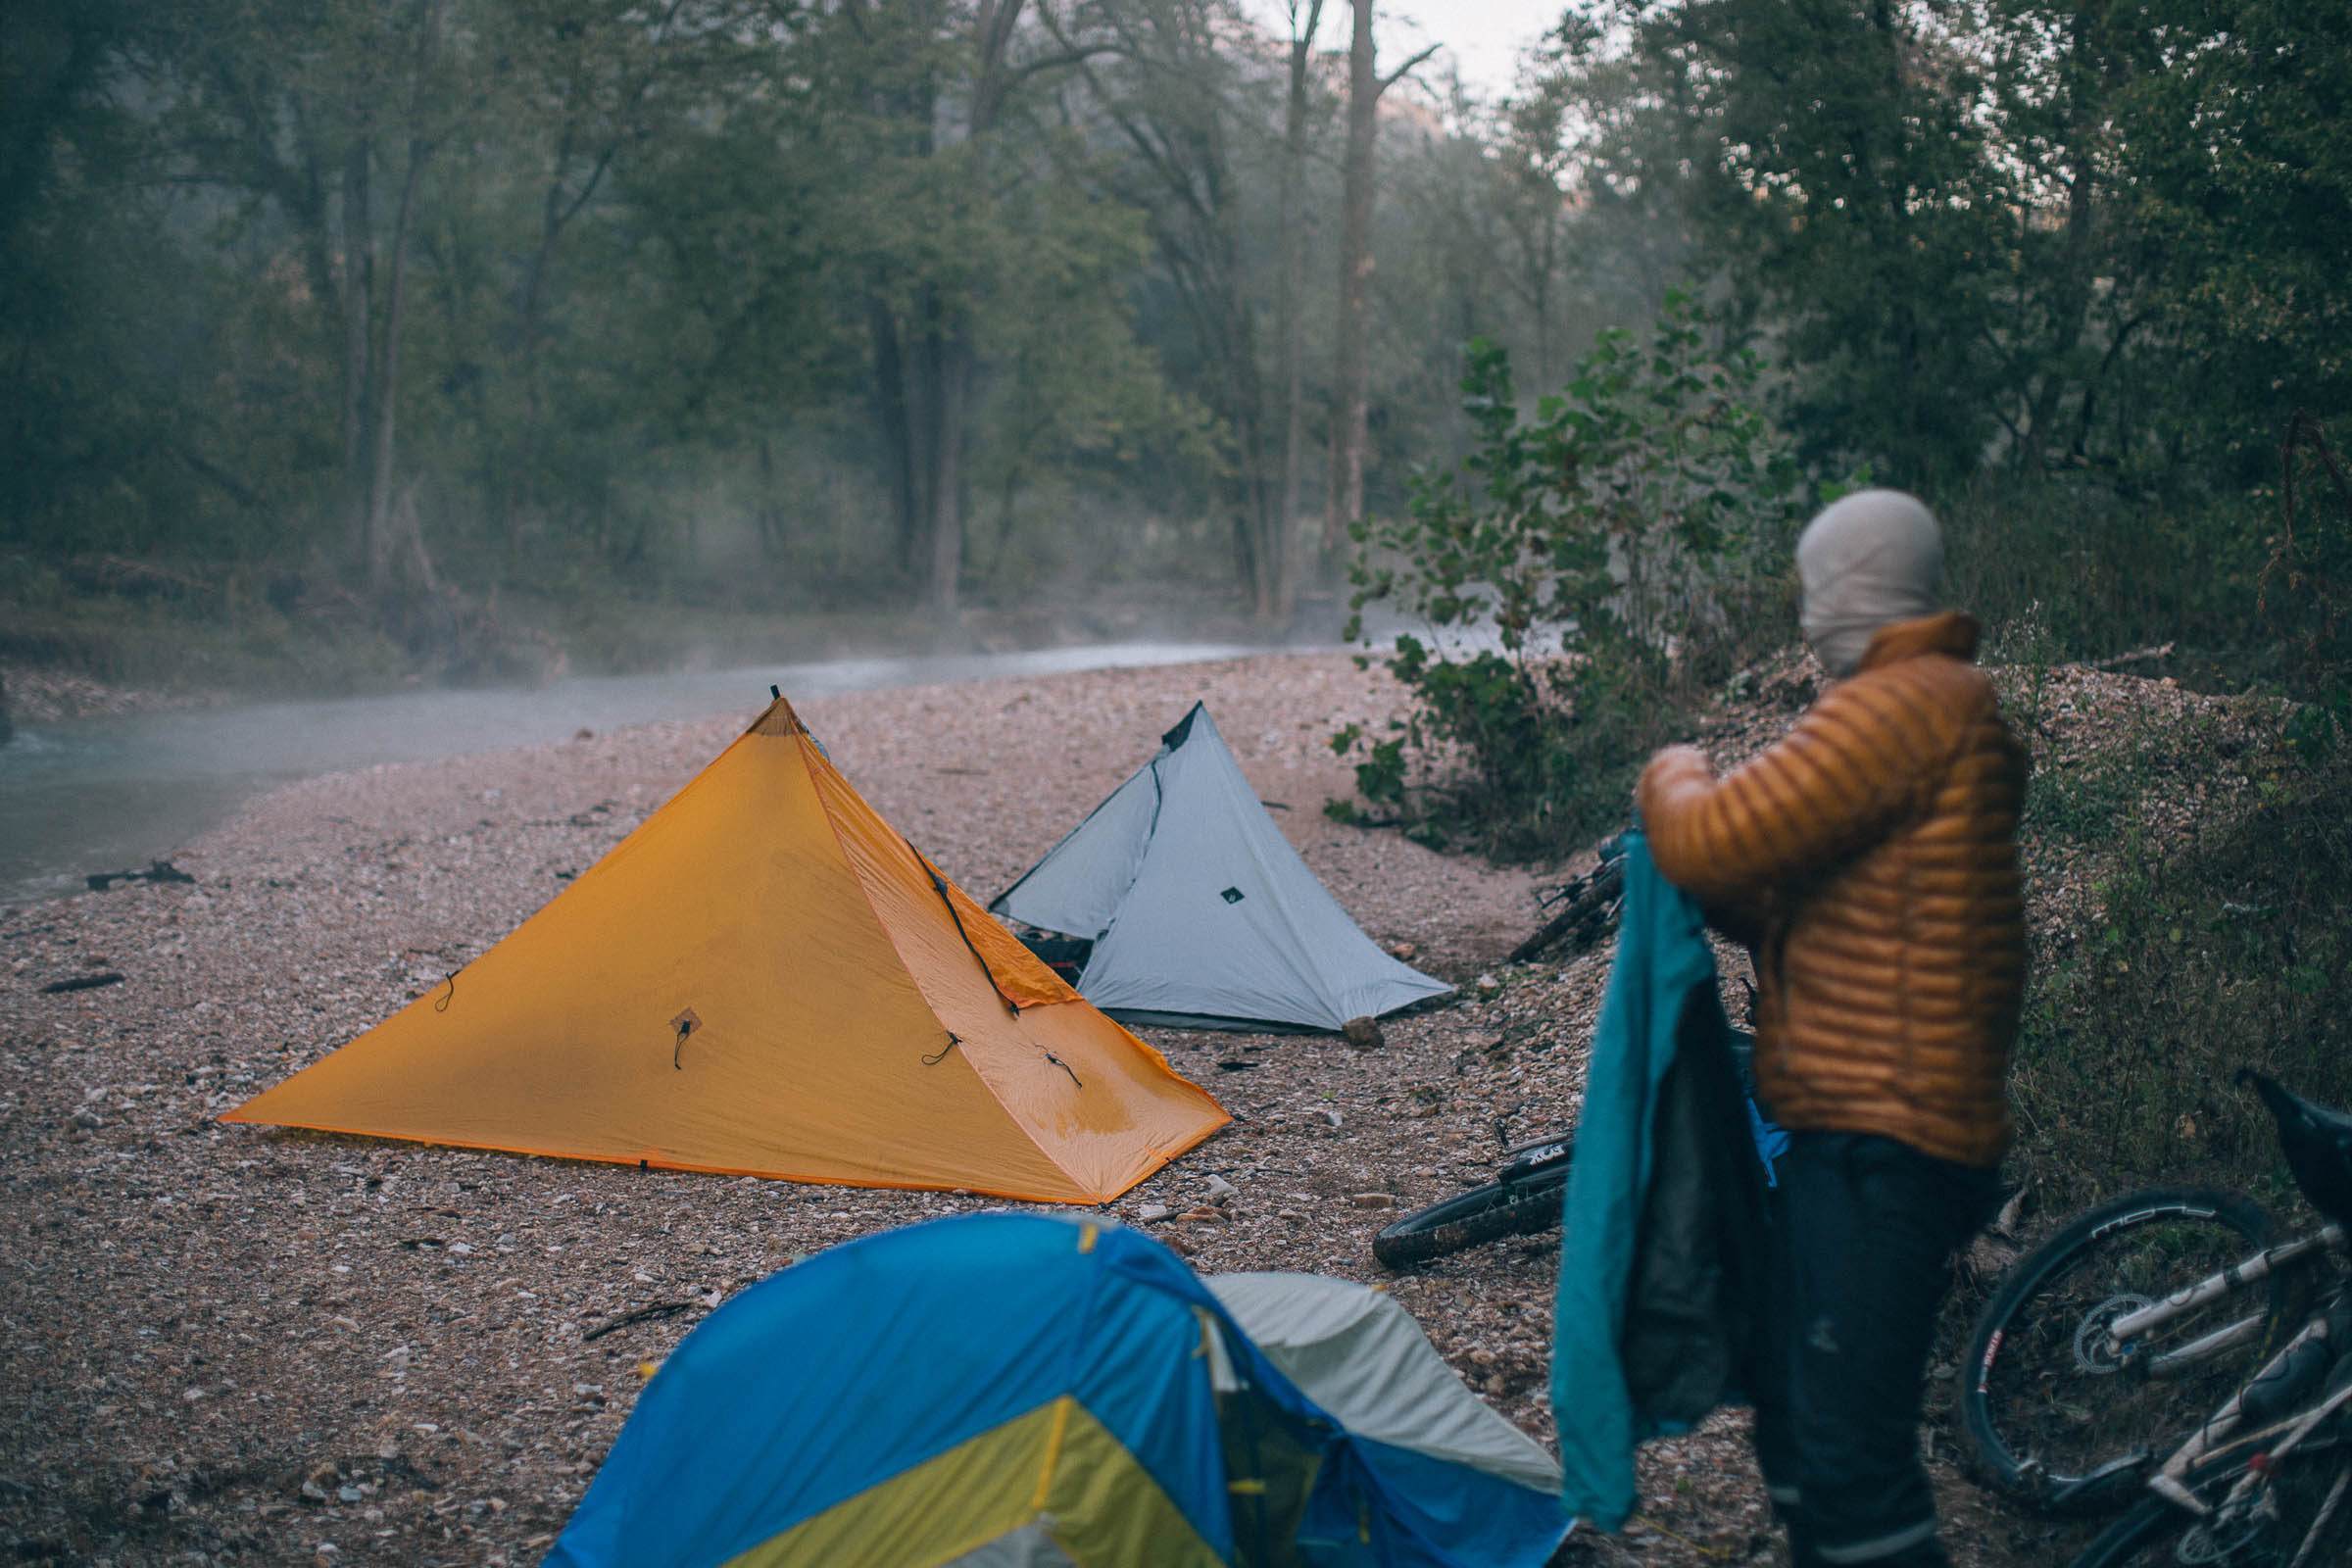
1015 1391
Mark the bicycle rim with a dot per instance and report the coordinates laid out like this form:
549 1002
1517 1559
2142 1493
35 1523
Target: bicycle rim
2298 1516
2052 1419
1482 1214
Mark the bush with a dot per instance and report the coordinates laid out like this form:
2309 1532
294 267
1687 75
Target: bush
1583 575
2230 950
2224 942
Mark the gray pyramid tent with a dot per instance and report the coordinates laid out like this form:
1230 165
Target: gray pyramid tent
1201 914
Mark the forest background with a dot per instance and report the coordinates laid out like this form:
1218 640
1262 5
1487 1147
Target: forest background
352 338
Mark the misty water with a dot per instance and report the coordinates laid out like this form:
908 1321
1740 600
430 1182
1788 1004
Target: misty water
106 795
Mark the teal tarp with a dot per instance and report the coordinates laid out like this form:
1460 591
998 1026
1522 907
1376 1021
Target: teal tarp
1662 957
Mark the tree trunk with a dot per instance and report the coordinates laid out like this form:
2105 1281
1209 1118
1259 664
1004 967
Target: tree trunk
379 489
1294 296
520 488
2070 307
1343 504
944 367
926 416
892 415
359 304
770 514
954 358
387 386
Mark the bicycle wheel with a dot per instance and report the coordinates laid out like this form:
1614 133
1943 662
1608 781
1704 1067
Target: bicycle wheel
2057 1423
2298 1515
1482 1215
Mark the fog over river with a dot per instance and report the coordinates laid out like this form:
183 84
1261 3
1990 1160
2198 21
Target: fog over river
106 795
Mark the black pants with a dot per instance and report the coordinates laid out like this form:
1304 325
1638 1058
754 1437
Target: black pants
1863 1233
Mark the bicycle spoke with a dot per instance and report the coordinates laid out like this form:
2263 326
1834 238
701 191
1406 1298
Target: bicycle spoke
2062 1416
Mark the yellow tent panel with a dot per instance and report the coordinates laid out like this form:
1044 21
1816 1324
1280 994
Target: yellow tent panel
765 979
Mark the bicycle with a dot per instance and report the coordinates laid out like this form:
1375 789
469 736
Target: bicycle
2148 1318
1527 1195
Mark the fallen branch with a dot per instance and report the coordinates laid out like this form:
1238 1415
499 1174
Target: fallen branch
157 871
2159 651
644 1314
82 982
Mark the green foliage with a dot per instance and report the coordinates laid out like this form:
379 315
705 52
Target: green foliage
2307 588
2228 948
2043 237
1618 546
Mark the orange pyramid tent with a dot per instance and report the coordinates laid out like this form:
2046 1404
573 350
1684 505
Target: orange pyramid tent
765 979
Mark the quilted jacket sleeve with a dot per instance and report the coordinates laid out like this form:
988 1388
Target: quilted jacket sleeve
1858 763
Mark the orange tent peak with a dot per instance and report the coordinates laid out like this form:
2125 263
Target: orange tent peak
779 719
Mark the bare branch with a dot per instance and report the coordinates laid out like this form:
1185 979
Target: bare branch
1390 80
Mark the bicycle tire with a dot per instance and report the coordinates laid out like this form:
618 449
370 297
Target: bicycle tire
2031 1375
2162 1532
1486 1213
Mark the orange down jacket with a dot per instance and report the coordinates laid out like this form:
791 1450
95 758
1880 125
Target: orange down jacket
1870 860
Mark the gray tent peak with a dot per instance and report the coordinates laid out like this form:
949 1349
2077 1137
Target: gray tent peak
1200 912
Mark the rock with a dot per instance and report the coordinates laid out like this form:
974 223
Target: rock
1373 1200
1332 1115
1404 952
89 1120
1987 1258
1219 1189
1153 1211
1363 1034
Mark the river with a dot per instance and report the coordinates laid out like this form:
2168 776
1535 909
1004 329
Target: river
100 795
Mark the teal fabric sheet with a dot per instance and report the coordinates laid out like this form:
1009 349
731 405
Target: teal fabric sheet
1662 956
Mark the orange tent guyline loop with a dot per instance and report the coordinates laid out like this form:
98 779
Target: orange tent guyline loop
940 1055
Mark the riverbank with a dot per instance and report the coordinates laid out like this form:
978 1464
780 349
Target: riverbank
202 1320
254 1344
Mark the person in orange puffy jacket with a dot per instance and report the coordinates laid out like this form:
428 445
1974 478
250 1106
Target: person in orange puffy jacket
1869 862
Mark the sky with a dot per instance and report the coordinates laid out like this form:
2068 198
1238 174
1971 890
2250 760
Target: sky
1483 37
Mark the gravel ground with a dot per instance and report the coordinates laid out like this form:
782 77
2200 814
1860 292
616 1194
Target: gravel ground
239 1345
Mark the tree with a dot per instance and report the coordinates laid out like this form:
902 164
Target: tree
2229 139
916 95
1293 217
1343 498
595 76
1182 106
1836 177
